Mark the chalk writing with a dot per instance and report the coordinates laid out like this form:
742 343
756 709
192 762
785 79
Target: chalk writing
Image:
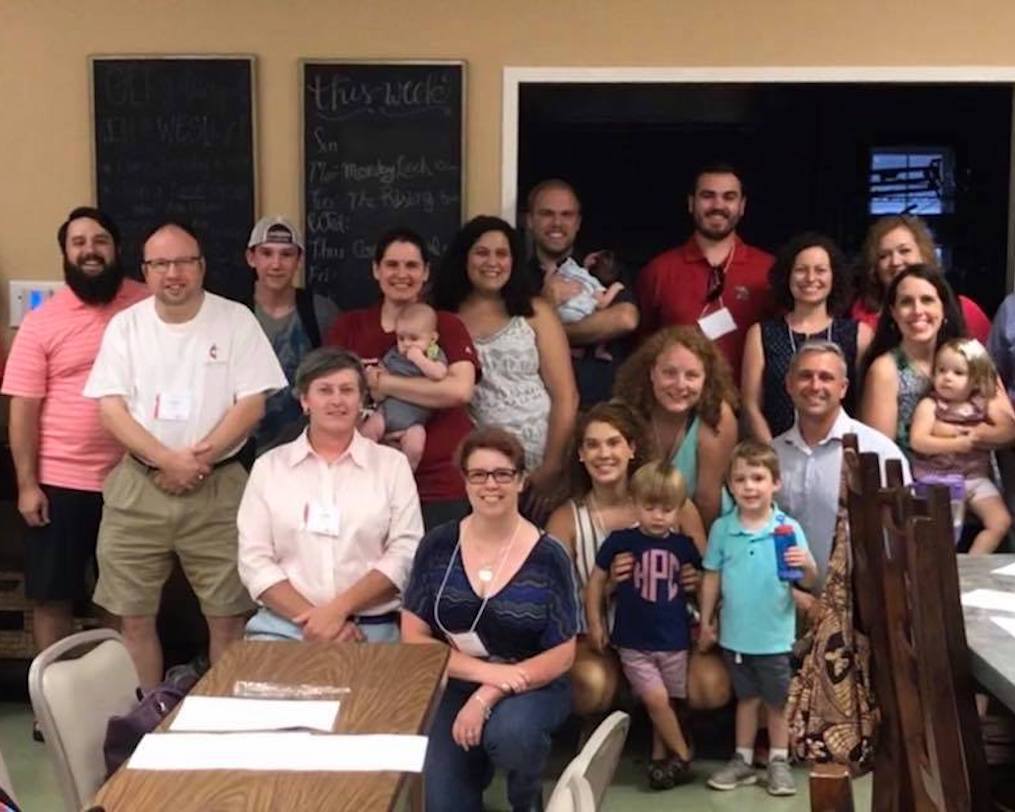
174 138
382 148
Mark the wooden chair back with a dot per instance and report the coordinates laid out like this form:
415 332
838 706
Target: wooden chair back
891 791
937 591
929 658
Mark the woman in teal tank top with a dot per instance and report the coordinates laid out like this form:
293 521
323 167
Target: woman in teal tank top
920 314
686 458
682 386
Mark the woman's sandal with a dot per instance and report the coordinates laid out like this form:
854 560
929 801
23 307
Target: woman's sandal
660 776
680 771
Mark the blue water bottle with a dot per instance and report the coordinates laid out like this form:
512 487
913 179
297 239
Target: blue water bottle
784 538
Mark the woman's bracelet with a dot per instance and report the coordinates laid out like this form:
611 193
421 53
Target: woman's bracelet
487 710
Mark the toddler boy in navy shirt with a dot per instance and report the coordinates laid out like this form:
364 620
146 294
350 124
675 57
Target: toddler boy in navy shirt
651 629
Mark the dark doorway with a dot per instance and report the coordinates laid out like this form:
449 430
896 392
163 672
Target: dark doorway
806 151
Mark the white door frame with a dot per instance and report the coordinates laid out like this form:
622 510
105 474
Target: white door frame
514 77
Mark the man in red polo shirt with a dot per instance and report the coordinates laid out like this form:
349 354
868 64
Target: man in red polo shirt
715 279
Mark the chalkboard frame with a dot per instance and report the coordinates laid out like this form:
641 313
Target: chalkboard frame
251 59
304 62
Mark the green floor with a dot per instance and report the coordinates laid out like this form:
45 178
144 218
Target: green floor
33 777
37 791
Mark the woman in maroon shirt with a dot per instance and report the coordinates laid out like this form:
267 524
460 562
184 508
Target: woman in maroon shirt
401 267
893 243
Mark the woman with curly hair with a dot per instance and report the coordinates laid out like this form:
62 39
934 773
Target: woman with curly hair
809 281
681 385
894 243
609 443
527 385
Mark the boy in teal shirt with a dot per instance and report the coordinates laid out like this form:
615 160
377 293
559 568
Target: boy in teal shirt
757 620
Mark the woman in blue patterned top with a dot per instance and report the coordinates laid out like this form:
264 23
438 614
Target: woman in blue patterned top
501 593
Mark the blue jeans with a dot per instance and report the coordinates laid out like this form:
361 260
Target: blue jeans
266 625
516 738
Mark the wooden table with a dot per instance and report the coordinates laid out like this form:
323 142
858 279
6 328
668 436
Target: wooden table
991 647
394 689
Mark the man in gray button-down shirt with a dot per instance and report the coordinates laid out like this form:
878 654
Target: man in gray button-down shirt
810 453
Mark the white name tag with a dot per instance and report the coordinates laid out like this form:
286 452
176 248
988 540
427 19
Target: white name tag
716 325
322 519
172 406
469 643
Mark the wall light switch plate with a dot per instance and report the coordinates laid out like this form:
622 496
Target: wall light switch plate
29 294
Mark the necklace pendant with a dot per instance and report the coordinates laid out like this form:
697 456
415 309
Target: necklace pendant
485 574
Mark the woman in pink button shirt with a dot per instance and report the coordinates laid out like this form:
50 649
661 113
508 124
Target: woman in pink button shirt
329 523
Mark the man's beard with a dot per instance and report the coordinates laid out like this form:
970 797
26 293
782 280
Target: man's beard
100 288
716 234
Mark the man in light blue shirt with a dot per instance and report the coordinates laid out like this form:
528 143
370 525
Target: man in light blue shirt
810 453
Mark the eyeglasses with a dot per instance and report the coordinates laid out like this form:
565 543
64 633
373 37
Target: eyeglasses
163 265
502 476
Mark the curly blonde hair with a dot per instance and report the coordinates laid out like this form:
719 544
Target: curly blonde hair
634 384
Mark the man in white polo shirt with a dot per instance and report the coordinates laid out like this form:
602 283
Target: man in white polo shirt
810 453
181 380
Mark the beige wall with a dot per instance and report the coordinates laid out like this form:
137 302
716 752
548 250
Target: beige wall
45 125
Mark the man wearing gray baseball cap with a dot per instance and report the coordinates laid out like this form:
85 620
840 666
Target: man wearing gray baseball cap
293 318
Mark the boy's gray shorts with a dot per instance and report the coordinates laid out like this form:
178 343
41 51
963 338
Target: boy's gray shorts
764 675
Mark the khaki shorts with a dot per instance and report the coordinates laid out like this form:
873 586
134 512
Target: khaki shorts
142 527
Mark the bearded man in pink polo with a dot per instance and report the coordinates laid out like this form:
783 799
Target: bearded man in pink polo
61 452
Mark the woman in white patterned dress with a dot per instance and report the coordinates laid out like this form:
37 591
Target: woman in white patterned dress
527 384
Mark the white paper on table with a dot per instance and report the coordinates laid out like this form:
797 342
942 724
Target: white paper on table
990 599
227 713
1006 623
279 751
1007 570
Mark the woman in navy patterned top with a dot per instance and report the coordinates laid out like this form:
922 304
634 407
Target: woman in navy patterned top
810 281
501 593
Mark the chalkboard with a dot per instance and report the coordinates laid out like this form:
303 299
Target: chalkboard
174 138
382 146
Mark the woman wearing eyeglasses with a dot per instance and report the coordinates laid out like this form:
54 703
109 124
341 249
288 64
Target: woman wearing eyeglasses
501 593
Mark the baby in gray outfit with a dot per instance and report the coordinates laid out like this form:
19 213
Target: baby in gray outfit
415 355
